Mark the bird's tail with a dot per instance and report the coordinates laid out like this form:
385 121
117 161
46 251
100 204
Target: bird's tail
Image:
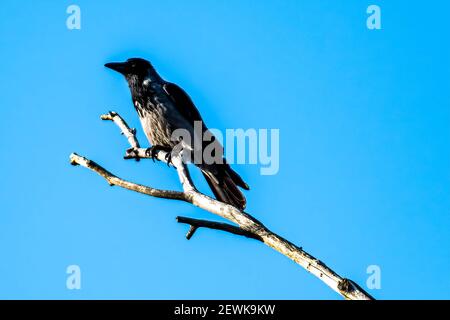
224 184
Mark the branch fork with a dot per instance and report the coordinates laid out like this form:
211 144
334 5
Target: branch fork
242 223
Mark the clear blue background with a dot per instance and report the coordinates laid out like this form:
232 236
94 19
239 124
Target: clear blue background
364 159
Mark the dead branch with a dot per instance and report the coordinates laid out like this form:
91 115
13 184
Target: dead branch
246 225
196 223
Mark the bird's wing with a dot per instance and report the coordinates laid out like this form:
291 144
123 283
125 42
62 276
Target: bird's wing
182 102
221 178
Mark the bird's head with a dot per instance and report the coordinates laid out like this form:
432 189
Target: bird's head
133 68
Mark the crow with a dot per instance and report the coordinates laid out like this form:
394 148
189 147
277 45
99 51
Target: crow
164 108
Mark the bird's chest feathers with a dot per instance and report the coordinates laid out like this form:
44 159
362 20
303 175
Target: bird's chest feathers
152 115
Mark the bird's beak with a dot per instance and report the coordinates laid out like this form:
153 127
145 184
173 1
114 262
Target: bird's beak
117 66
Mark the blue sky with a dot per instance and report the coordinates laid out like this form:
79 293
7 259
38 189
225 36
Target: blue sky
364 147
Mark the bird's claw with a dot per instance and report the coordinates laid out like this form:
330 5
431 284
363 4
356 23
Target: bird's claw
168 158
152 152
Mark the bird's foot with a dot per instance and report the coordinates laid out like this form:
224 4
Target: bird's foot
152 152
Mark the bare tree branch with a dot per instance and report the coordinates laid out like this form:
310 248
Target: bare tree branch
196 223
116 181
246 224
130 134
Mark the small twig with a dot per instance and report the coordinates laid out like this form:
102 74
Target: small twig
191 232
130 134
196 223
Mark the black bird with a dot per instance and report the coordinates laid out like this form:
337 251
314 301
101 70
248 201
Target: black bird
164 107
